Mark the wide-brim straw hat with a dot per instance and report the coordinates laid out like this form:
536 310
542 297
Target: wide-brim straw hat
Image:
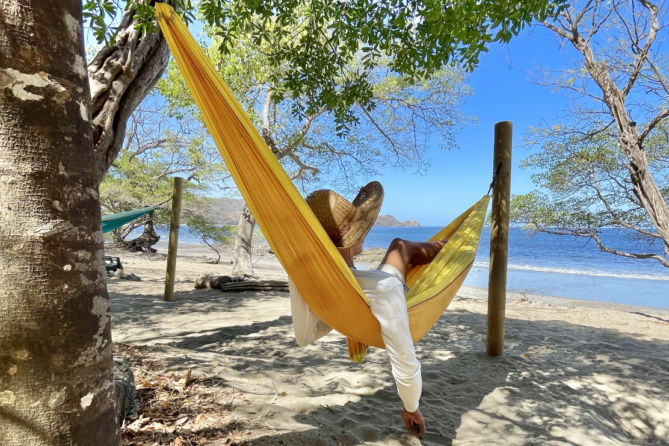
347 223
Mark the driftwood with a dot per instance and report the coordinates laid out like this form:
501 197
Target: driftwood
238 283
256 285
144 242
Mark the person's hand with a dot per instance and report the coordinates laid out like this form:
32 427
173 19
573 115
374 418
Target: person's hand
414 420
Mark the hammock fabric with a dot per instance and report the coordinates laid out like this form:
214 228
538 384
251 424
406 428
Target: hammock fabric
295 235
113 221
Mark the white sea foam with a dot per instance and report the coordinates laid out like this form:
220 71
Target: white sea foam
546 269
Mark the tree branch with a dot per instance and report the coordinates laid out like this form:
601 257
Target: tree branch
388 138
591 233
299 162
116 91
616 219
603 248
653 123
643 52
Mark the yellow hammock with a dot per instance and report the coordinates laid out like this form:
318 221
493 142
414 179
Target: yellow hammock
295 235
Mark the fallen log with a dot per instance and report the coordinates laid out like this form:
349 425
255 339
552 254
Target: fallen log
239 283
255 285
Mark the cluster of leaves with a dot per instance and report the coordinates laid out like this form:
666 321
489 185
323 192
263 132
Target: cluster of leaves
102 16
404 120
211 234
585 185
158 148
320 39
603 165
577 172
327 48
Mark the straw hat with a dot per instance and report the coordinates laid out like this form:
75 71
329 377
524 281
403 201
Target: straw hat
347 223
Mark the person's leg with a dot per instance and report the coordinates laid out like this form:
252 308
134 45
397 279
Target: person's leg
402 253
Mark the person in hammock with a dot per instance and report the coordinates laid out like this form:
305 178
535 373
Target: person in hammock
347 225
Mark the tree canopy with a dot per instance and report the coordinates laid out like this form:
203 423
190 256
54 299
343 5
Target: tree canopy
405 119
317 42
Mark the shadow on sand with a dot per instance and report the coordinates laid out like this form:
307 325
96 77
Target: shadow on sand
558 383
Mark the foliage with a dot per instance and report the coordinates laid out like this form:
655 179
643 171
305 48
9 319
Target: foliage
319 43
210 233
607 164
102 16
404 121
419 38
156 149
588 184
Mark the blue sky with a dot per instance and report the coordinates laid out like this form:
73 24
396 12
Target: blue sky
502 91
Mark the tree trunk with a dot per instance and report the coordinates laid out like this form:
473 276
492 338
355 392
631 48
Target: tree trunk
645 186
218 259
144 242
242 265
56 383
120 77
125 397
117 235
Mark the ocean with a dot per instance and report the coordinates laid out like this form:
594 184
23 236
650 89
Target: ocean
552 265
562 266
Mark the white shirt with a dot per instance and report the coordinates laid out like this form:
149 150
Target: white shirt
385 293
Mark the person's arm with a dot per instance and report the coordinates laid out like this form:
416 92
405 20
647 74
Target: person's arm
308 327
388 305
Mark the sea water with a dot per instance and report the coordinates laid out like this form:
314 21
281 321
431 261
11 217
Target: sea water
552 265
563 266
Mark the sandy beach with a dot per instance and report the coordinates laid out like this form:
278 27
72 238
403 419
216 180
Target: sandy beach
574 372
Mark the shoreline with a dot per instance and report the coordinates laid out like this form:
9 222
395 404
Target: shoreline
479 293
263 259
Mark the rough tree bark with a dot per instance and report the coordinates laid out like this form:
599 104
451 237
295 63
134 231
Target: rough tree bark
242 264
56 384
120 77
126 394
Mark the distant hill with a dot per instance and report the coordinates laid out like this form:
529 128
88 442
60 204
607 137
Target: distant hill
389 220
226 211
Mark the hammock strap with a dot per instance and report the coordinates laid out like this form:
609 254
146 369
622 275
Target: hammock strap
494 177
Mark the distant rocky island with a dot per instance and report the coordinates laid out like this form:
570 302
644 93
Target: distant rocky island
389 220
226 211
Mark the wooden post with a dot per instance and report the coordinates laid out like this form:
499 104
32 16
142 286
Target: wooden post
174 239
499 238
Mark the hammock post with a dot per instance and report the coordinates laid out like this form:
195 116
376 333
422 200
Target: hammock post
174 239
499 238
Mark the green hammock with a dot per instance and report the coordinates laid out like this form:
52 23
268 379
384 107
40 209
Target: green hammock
113 221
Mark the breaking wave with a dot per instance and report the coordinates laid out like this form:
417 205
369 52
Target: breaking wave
546 269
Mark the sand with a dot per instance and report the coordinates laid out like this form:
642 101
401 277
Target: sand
573 373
